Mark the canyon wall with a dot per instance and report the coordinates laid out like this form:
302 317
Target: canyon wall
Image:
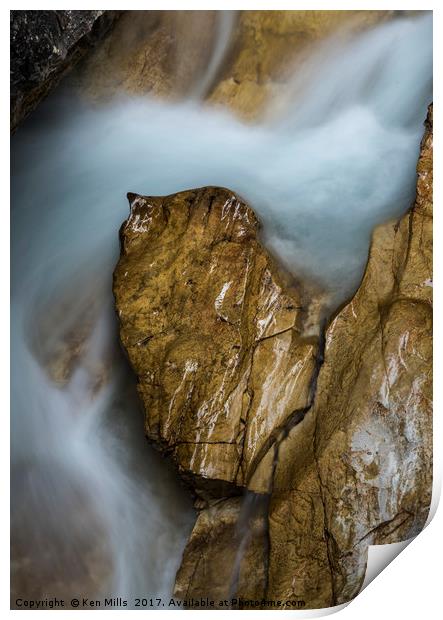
235 59
329 439
238 60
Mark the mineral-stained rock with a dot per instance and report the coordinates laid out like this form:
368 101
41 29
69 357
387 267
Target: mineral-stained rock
44 45
213 331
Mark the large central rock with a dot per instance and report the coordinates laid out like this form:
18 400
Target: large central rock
212 328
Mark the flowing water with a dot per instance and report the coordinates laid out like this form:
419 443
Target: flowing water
95 509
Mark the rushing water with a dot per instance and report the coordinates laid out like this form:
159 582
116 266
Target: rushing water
336 155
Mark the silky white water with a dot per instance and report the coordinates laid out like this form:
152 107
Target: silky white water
335 156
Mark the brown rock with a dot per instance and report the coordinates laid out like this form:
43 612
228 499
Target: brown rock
160 53
213 331
268 45
229 538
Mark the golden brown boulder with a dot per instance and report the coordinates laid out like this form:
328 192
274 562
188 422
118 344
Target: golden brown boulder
213 330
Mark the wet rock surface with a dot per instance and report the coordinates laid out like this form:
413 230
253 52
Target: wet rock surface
236 59
214 333
213 330
44 46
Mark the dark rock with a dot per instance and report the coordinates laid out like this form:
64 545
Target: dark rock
44 46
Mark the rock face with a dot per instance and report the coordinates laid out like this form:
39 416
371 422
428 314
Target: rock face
373 412
213 331
215 334
267 45
227 552
236 59
160 53
44 45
